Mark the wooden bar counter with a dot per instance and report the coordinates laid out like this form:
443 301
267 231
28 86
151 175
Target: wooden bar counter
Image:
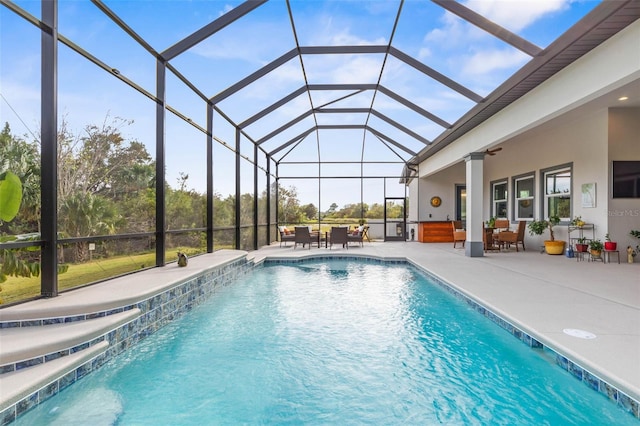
435 232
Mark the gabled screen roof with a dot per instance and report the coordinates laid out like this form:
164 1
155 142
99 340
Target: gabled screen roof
360 80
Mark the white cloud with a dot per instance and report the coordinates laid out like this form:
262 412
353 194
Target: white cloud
516 14
225 9
424 53
345 38
333 31
358 69
488 61
452 33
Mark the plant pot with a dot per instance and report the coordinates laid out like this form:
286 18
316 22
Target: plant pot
610 245
582 248
554 247
596 253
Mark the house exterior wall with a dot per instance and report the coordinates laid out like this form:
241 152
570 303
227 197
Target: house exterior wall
623 214
441 184
581 142
588 142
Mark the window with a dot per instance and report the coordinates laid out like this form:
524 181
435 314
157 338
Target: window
524 197
557 193
499 199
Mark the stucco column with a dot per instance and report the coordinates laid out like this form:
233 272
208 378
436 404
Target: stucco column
474 247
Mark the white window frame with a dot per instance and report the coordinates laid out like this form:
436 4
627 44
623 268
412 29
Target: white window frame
547 196
495 201
527 198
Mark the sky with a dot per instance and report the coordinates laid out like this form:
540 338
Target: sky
444 42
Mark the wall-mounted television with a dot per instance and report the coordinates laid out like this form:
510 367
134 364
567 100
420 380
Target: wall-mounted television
626 179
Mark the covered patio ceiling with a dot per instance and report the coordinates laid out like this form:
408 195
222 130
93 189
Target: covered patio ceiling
306 85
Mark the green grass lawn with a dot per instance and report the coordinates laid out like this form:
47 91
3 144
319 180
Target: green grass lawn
18 288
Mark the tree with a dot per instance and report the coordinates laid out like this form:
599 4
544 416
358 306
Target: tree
289 206
376 211
105 183
310 211
85 214
101 161
332 209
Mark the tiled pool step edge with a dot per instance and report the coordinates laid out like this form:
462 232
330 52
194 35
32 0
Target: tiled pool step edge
30 346
155 313
21 393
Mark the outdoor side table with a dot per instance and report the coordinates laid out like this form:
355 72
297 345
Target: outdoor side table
607 255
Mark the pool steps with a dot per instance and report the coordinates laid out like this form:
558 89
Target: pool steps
48 344
29 346
24 389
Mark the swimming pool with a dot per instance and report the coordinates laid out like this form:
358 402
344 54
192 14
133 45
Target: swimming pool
338 342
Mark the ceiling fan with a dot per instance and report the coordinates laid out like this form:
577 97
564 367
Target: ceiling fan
493 151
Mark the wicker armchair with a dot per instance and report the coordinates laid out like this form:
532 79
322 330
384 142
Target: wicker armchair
356 236
506 238
338 236
459 234
303 236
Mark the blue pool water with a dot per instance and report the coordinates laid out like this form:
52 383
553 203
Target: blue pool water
330 343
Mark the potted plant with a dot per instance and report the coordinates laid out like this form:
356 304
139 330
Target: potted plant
491 223
582 245
608 244
595 247
537 227
577 221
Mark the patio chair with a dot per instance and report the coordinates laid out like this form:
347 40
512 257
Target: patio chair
501 225
365 233
338 236
285 235
459 234
506 238
303 236
356 236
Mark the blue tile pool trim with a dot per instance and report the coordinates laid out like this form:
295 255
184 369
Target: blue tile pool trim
161 309
156 312
589 379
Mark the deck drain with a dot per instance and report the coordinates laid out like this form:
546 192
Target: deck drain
581 334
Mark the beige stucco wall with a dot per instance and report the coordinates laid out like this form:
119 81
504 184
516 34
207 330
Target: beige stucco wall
623 214
441 184
581 141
